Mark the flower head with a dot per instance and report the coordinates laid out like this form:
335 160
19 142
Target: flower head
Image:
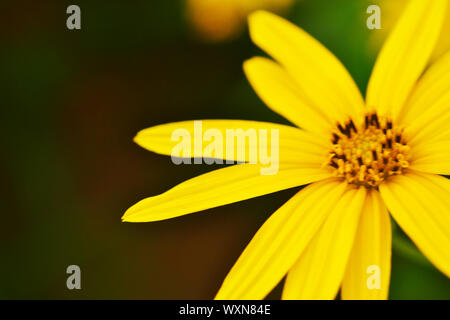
362 159
369 153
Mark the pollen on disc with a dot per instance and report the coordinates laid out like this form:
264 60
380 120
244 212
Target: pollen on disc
368 153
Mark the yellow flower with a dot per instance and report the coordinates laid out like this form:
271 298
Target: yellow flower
219 20
361 159
390 11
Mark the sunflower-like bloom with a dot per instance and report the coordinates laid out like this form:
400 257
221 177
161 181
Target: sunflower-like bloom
361 159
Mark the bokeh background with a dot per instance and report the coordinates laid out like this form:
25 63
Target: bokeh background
71 102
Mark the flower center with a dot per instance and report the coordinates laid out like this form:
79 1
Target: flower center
368 154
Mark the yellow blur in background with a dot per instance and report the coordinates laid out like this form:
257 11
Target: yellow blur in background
222 20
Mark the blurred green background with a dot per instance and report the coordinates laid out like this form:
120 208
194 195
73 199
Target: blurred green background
71 102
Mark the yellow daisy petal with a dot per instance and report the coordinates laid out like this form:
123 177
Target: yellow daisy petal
420 203
433 157
390 11
318 272
279 91
369 267
427 111
431 87
322 79
279 242
220 187
404 55
295 145
441 130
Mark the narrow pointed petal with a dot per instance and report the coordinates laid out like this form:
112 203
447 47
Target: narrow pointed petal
280 92
318 272
370 259
322 79
420 203
294 145
432 157
404 55
427 111
220 187
279 242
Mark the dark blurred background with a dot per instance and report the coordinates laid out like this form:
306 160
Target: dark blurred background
71 102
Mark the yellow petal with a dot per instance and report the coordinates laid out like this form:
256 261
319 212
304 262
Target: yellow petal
420 203
369 267
443 44
427 111
404 55
279 242
429 90
295 145
433 157
322 79
279 91
220 187
318 272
